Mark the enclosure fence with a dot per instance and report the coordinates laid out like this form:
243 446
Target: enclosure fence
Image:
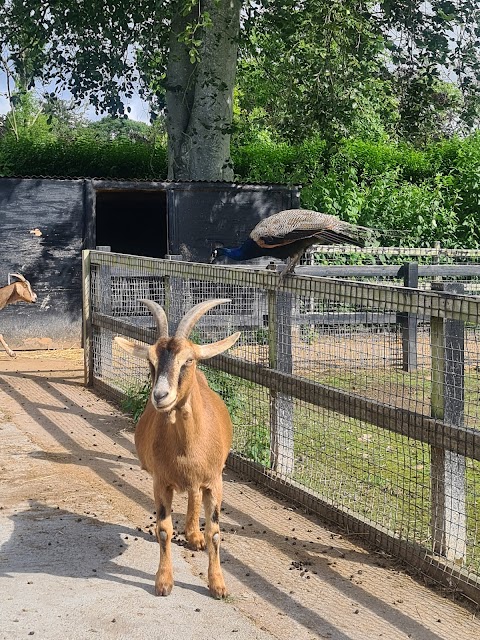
358 400
411 266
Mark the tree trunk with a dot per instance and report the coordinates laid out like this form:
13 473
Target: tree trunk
200 95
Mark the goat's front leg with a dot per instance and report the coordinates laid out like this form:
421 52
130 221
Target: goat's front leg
163 503
195 538
212 499
11 353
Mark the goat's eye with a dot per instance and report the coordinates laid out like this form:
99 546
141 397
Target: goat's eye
189 362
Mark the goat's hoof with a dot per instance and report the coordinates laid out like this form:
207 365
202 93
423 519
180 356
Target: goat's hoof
11 353
196 540
163 588
218 590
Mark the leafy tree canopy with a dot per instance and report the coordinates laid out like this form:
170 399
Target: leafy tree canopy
334 66
111 128
27 120
408 69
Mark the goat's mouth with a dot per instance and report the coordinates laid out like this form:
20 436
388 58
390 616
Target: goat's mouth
165 407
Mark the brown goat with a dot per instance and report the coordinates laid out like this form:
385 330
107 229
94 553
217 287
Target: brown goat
183 438
15 292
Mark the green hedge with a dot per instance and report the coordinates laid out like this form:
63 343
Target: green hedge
83 158
423 195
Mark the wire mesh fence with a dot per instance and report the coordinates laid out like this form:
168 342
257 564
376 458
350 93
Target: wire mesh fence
410 266
359 400
349 254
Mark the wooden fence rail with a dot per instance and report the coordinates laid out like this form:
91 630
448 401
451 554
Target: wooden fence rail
408 272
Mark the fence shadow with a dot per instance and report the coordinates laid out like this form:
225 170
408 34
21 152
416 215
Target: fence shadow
43 539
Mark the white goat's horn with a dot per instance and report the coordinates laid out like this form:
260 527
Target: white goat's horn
159 316
193 316
17 275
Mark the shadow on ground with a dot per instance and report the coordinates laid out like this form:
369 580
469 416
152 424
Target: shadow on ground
84 432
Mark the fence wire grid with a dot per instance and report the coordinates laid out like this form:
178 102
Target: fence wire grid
358 400
408 266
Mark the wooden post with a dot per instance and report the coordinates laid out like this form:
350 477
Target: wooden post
104 304
280 358
449 520
436 258
408 321
175 296
87 319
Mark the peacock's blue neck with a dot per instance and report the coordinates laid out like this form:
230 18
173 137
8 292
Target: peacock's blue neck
248 250
233 254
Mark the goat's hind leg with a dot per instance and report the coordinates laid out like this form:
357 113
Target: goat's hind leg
11 353
163 503
212 499
195 538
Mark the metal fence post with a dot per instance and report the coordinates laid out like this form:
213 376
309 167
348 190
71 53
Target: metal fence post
449 520
280 358
408 321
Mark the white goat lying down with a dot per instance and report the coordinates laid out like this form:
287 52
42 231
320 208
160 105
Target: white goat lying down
183 438
15 292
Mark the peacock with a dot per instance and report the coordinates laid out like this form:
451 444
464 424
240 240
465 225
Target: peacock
286 235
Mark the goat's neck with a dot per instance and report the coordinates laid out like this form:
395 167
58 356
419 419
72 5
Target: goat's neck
8 295
185 417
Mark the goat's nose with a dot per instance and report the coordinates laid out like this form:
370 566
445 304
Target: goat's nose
159 395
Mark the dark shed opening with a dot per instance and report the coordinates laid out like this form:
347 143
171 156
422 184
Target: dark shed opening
133 222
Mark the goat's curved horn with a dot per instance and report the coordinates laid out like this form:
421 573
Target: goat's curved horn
159 316
193 316
18 275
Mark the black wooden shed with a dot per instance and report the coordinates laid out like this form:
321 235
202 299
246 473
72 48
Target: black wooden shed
45 223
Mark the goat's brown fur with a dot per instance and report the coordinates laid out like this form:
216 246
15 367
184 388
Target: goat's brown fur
15 292
182 439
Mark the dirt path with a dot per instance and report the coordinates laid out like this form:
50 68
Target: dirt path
78 554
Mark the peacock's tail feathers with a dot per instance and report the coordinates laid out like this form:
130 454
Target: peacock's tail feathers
293 225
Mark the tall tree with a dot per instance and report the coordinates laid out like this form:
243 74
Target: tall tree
357 68
182 55
179 52
434 44
315 67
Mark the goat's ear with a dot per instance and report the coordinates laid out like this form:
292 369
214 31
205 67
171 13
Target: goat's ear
205 351
137 350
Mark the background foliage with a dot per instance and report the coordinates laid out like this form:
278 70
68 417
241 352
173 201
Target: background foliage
429 193
51 140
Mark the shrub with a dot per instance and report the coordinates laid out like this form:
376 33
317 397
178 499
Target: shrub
423 195
82 157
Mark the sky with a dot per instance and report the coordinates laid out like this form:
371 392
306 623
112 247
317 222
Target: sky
139 109
3 104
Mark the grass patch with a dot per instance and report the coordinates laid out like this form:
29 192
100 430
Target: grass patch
136 396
